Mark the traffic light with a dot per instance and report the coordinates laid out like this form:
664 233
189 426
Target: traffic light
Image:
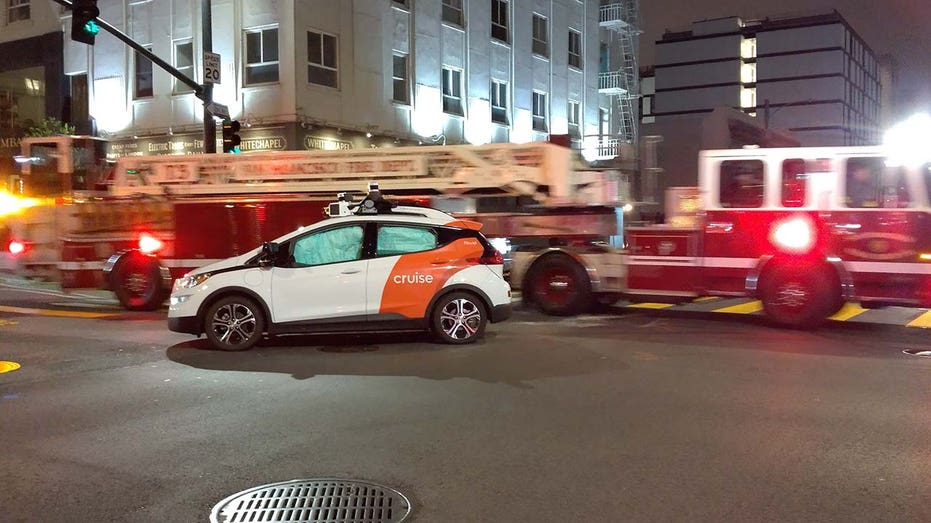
83 21
231 139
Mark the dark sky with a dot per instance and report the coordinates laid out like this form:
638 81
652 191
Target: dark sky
901 28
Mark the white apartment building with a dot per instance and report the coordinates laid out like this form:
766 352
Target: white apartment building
305 74
811 75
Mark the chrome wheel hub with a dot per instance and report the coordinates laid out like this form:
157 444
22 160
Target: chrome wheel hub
461 319
233 323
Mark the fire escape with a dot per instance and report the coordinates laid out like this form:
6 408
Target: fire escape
619 76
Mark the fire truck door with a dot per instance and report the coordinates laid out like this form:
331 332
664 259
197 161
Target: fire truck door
877 234
732 226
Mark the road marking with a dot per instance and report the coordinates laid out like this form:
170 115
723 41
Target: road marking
849 310
49 312
706 298
743 308
4 323
8 366
923 321
648 305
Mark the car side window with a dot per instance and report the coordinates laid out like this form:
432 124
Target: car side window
393 240
330 246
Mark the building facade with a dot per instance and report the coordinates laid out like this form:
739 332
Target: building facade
811 75
308 74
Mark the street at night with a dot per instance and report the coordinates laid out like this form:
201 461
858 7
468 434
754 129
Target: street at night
626 415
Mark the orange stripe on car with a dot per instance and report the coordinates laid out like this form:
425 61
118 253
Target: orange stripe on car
416 278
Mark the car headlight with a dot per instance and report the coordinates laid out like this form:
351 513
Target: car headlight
194 280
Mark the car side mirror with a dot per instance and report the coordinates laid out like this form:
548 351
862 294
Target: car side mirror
269 254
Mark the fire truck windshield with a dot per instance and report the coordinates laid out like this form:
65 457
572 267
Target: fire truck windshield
58 167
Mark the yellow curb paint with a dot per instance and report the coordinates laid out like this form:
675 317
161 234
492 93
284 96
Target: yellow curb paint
647 305
706 298
49 312
743 308
4 323
8 366
923 321
849 310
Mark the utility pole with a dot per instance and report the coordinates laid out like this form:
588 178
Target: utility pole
210 127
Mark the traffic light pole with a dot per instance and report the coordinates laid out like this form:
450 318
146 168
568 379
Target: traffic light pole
210 127
203 92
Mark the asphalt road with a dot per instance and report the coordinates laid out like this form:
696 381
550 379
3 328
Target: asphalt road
629 416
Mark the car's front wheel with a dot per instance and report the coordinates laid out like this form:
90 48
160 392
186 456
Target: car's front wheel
459 318
234 323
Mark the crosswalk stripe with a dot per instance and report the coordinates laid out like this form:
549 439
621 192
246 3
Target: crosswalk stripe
923 321
849 310
743 308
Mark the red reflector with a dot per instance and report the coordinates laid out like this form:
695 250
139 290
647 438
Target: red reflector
493 258
16 247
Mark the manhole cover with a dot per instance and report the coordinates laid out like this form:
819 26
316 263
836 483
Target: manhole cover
8 366
314 501
918 352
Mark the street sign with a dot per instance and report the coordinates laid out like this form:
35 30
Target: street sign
211 68
218 110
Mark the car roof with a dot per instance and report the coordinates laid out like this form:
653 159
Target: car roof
406 215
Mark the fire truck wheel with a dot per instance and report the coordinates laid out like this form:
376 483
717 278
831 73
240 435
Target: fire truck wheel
137 283
797 297
560 286
459 318
234 323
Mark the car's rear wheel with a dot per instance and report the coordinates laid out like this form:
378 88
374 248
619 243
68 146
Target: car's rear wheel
234 323
459 318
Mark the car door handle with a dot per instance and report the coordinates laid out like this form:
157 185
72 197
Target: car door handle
351 271
440 262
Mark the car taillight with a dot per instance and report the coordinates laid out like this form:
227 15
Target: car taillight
491 257
16 247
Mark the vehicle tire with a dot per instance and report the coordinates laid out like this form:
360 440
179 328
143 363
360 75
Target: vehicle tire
459 318
798 296
234 323
137 282
560 286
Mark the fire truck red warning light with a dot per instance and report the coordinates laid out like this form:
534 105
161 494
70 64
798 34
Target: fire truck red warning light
16 247
149 244
794 235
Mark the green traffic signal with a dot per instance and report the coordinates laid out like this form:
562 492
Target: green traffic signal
91 27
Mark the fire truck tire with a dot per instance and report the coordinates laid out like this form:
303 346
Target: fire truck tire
459 318
137 282
560 286
798 296
234 323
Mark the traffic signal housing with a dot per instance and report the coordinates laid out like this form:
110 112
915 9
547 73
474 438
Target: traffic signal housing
84 26
231 139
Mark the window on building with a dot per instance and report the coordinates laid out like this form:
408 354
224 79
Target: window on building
452 12
499 20
261 56
748 73
575 49
401 85
748 97
572 113
604 121
406 4
748 48
741 184
452 91
184 63
540 45
539 111
78 98
17 10
794 177
143 75
321 58
499 102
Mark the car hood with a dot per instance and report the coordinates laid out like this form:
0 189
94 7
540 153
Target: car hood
235 261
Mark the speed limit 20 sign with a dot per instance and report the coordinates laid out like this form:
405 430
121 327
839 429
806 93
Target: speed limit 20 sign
211 68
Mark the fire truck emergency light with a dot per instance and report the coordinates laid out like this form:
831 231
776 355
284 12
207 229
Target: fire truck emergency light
16 247
794 235
149 244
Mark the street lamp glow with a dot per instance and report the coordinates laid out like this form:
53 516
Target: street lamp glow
907 142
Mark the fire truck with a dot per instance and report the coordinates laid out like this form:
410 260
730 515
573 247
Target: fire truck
803 230
136 224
